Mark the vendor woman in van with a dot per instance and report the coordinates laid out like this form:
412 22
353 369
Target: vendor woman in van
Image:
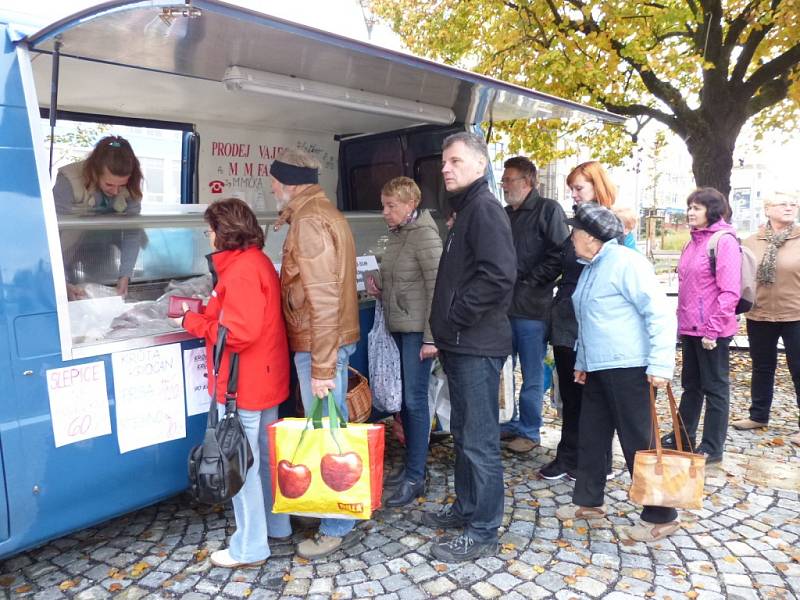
109 181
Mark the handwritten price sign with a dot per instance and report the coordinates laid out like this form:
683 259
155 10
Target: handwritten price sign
196 381
148 384
78 403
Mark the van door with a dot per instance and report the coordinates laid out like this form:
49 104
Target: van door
368 162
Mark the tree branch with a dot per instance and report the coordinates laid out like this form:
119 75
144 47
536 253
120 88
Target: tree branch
769 94
777 67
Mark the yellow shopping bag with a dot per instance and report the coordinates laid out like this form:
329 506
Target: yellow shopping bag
326 467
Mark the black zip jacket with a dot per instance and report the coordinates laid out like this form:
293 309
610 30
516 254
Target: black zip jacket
476 277
564 324
540 230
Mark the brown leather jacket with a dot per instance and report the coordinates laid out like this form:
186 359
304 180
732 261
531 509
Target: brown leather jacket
318 280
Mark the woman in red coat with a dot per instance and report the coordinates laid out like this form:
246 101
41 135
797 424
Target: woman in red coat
246 299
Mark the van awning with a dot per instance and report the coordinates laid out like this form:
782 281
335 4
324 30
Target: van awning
273 52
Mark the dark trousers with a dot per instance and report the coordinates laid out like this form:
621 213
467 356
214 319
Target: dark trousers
571 393
764 337
613 399
704 377
415 414
474 384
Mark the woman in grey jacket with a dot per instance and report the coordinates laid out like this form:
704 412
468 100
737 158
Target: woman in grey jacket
408 277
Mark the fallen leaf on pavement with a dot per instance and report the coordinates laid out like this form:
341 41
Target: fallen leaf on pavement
201 554
139 568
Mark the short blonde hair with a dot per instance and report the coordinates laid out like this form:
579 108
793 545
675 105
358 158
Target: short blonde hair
628 217
403 189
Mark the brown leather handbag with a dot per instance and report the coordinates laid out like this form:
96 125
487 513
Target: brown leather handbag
359 397
663 477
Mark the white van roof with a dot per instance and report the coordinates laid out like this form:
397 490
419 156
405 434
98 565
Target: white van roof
224 43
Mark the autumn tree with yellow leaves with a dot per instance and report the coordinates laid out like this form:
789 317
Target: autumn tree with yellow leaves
702 68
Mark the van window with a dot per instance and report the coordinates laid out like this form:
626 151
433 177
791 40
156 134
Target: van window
159 152
366 183
428 175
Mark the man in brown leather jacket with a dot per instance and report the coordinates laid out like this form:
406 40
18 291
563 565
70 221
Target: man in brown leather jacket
320 304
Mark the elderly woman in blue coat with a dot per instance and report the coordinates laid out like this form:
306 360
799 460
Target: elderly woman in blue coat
626 342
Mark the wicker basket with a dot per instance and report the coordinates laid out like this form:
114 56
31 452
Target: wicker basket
359 397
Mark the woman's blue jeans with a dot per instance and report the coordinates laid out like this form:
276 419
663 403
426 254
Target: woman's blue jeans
415 413
302 362
252 506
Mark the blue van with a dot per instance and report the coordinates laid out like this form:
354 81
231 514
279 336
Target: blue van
104 396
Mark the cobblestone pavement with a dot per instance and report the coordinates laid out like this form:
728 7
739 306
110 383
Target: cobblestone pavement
742 544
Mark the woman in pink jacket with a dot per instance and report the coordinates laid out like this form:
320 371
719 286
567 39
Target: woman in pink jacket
707 299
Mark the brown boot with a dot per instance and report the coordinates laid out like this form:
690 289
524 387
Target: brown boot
747 424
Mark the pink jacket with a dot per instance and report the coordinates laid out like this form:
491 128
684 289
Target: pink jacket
707 304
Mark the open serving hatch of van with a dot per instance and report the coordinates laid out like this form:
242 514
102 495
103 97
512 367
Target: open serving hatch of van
308 79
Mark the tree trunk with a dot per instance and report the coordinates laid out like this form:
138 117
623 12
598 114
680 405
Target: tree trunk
712 162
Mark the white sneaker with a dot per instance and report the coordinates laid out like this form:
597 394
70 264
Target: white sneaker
223 558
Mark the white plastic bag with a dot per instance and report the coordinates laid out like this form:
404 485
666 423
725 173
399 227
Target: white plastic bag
507 391
439 398
384 366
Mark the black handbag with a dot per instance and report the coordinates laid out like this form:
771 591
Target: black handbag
218 466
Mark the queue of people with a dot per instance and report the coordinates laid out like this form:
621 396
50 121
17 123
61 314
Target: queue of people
505 282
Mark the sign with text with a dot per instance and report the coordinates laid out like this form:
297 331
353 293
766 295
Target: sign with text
148 384
196 381
364 264
235 162
78 402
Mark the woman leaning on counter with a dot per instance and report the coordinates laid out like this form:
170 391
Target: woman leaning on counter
776 311
108 181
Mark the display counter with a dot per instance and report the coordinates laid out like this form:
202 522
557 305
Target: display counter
169 251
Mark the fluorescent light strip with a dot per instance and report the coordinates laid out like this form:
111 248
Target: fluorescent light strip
251 80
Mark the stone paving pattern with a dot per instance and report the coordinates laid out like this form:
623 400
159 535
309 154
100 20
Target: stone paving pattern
743 544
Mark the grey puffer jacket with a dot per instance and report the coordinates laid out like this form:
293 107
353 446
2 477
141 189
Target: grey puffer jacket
408 275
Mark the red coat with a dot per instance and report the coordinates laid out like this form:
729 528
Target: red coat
248 294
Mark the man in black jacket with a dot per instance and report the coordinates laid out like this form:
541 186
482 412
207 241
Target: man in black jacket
469 322
540 230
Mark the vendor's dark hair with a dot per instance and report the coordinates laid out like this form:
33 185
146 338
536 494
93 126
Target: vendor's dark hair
716 204
234 224
114 153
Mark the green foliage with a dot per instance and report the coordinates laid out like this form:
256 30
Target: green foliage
675 240
701 67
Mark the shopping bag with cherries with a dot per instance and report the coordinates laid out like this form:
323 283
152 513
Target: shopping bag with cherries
323 466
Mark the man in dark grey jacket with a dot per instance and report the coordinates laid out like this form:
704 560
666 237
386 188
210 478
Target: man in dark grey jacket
539 230
469 322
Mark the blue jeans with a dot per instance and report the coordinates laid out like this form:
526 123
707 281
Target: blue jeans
252 506
302 362
474 383
529 342
415 414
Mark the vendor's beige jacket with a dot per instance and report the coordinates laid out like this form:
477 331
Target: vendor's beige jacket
84 200
781 300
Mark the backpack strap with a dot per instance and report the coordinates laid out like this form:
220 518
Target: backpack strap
711 248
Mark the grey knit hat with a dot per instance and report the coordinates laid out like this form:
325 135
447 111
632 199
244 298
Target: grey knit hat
597 221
